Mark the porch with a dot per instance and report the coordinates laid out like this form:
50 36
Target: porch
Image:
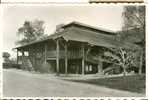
64 57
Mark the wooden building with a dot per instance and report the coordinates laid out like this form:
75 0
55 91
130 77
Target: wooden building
75 48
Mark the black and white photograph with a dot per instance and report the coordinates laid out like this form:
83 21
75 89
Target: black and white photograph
75 50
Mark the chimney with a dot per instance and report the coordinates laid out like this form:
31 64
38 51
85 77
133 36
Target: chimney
59 28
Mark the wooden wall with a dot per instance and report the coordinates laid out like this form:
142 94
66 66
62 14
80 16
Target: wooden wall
41 61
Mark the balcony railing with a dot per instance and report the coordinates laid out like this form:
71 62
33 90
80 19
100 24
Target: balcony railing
73 54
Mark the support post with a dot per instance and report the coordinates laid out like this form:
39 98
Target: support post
45 53
141 62
83 60
57 56
99 67
23 60
22 56
17 56
66 59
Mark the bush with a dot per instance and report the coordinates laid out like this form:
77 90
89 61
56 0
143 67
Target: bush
27 65
10 65
45 68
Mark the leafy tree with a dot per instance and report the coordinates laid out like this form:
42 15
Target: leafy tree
30 31
133 32
6 57
134 29
133 16
120 57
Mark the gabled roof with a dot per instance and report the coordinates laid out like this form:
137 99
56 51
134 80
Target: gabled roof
86 33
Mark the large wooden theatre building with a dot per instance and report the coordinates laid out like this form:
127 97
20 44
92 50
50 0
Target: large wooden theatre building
76 48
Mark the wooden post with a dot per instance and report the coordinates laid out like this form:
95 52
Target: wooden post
83 60
17 56
45 53
23 60
141 62
57 56
22 56
66 59
99 67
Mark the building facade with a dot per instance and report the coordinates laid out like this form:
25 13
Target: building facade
75 49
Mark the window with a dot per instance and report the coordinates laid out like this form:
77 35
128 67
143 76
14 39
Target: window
87 69
26 53
90 67
19 53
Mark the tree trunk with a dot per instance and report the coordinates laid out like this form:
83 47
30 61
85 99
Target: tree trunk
124 70
123 63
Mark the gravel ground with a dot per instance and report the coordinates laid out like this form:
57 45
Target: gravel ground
17 83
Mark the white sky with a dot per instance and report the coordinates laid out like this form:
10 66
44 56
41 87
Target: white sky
108 17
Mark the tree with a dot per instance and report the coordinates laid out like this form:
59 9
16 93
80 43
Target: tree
133 33
6 57
134 29
31 31
133 16
120 57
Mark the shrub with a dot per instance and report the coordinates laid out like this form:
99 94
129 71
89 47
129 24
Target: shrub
11 65
27 65
46 68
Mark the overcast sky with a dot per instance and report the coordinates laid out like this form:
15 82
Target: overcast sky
107 17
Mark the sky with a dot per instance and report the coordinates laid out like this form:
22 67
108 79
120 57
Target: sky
107 17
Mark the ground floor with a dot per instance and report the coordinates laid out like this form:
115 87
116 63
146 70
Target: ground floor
46 85
62 57
75 66
70 66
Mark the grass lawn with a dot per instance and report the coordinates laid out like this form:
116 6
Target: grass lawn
134 83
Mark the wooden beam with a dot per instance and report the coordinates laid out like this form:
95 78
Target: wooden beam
83 59
66 59
57 56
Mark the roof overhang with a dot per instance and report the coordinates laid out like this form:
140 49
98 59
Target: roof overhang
86 36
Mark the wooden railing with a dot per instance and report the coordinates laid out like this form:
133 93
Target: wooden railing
71 54
75 54
51 54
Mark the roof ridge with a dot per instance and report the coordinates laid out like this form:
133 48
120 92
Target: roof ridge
90 26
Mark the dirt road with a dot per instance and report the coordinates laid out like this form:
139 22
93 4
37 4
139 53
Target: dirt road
18 83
